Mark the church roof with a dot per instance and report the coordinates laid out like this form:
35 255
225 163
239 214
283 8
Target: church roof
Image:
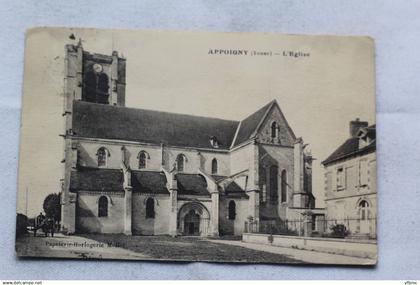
114 122
96 179
232 190
111 180
149 182
192 184
351 147
249 125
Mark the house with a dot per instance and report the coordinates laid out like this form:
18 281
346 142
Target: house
350 181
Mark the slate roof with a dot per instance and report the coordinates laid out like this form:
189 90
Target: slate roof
113 122
249 124
149 182
233 190
192 184
351 147
96 179
111 180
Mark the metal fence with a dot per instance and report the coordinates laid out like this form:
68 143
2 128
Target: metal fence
316 226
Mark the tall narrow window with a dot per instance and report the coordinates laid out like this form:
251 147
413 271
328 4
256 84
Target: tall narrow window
263 185
102 155
232 210
214 166
143 156
150 208
96 86
284 186
180 162
341 179
274 184
103 207
274 130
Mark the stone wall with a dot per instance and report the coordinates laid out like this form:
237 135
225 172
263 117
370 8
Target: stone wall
87 220
356 248
159 225
233 227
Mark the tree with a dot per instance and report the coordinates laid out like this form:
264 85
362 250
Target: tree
52 206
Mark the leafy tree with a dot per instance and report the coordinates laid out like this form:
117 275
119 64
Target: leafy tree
52 206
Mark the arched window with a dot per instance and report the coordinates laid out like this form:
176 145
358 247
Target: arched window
180 162
274 130
284 186
102 155
150 208
214 166
96 87
143 157
274 184
364 210
103 206
232 210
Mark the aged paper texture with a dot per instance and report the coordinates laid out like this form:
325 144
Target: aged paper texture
189 146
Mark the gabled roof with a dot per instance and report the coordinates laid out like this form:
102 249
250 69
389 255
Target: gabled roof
92 120
192 184
113 122
249 125
351 147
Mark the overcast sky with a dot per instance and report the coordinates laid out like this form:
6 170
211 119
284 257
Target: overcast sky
173 71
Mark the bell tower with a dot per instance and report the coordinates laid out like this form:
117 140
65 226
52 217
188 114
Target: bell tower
93 77
89 77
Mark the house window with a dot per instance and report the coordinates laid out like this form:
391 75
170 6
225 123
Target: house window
103 206
364 210
232 210
180 162
143 157
274 130
150 208
284 186
341 179
102 155
274 184
363 173
214 166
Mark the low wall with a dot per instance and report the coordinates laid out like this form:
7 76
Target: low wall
356 248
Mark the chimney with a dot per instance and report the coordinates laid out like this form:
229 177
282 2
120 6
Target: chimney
356 125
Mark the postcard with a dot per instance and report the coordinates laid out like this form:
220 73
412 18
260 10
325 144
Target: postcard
197 146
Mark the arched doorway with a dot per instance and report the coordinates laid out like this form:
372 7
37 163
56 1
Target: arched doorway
364 215
192 224
193 219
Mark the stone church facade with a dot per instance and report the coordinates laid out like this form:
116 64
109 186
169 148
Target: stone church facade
145 172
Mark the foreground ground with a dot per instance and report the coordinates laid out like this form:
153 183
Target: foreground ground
168 248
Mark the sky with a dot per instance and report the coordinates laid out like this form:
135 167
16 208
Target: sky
176 72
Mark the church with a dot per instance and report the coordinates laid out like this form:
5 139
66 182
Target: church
145 172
